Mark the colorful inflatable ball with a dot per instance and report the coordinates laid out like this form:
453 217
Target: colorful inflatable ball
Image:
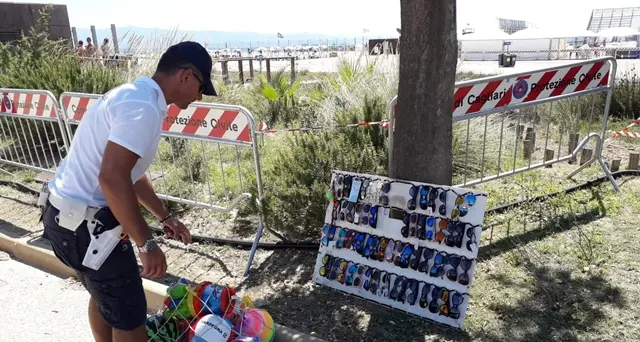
160 329
218 300
256 323
211 328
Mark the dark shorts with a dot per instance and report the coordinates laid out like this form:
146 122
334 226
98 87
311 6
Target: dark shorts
116 287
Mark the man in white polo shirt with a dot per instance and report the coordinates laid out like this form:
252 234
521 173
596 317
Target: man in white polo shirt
92 209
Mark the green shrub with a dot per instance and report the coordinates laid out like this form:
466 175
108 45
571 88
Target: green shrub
297 168
282 98
296 178
625 103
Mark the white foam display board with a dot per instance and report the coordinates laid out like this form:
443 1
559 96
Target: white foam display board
389 226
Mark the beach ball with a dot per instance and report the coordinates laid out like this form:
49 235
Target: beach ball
160 329
179 302
256 323
211 328
179 308
218 299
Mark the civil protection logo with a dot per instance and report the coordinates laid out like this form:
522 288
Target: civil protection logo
6 102
520 89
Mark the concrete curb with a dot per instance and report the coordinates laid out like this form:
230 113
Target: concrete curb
155 292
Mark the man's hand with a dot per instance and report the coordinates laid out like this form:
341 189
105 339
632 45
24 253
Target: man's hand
154 264
175 229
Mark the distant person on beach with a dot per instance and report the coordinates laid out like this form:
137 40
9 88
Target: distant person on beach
104 49
104 53
91 49
80 49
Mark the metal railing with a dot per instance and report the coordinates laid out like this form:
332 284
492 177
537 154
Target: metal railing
553 54
185 169
522 110
30 123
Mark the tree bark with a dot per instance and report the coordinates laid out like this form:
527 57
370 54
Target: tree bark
423 125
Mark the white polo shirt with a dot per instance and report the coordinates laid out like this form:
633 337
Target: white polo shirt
129 115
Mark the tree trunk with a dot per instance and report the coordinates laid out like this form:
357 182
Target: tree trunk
423 125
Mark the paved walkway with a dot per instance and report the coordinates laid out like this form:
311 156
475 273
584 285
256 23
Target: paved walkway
38 306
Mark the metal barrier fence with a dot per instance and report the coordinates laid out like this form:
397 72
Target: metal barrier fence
590 49
555 54
201 130
537 104
181 172
29 120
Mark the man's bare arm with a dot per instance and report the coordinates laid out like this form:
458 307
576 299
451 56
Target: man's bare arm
148 198
115 181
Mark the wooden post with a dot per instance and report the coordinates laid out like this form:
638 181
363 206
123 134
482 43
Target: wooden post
634 158
293 69
585 155
519 131
548 155
95 39
251 68
74 34
615 165
225 71
268 69
529 144
531 135
114 37
526 149
574 138
241 71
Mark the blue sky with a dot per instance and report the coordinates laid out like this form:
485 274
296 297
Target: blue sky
351 16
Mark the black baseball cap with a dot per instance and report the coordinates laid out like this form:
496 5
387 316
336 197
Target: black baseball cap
193 53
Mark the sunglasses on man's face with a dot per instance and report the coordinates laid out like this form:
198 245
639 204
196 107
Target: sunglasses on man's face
197 76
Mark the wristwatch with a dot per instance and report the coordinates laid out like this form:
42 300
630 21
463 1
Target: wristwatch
149 245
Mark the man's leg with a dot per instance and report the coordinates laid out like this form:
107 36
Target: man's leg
139 334
118 297
100 329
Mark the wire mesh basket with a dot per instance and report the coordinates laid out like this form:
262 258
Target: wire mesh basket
208 312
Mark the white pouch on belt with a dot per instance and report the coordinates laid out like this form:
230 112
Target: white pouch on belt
101 245
44 195
72 213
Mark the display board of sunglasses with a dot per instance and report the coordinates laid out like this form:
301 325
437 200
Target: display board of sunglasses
415 233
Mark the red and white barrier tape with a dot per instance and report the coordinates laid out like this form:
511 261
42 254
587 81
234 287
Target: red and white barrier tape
205 121
625 131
